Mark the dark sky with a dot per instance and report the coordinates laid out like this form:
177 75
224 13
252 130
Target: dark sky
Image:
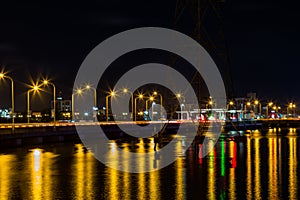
53 39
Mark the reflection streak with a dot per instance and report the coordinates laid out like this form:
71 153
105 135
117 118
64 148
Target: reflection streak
292 168
7 162
249 163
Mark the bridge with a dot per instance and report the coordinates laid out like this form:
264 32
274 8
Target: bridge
38 133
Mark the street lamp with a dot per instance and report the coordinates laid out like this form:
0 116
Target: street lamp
34 88
79 92
267 108
230 104
292 106
140 96
111 94
161 102
125 91
179 96
247 105
209 103
256 102
3 76
46 82
150 99
88 87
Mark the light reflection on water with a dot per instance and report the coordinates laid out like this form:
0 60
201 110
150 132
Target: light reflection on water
258 167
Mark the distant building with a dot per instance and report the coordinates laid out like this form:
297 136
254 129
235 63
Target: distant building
62 105
251 96
63 108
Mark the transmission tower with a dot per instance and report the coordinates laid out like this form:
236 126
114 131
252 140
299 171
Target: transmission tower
203 21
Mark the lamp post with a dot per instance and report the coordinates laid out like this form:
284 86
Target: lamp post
46 82
138 97
267 108
257 103
161 102
292 107
231 103
150 99
125 91
111 94
228 106
88 87
79 92
179 96
246 106
35 88
2 76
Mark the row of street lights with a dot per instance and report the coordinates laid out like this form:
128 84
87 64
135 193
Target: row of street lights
291 106
34 88
45 82
133 101
112 94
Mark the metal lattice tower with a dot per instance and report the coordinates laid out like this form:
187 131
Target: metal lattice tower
203 21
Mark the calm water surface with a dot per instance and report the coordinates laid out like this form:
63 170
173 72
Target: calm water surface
260 167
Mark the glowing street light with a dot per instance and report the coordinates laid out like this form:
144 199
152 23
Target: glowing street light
47 82
111 94
140 96
34 88
125 91
256 102
267 108
150 99
88 87
180 96
291 106
76 92
3 76
161 102
230 104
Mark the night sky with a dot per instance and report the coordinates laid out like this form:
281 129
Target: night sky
53 39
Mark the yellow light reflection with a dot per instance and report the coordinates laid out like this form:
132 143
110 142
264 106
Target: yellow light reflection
41 165
249 163
154 185
257 185
154 178
232 186
113 183
293 168
180 177
273 178
7 163
141 176
126 176
211 176
83 170
36 174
